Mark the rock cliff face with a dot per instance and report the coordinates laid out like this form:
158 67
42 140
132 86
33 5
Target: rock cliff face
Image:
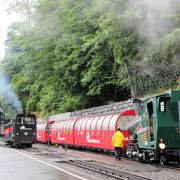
111 108
114 108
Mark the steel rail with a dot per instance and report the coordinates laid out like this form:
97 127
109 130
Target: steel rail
117 174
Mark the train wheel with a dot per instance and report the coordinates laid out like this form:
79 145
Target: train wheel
16 146
29 145
142 158
162 159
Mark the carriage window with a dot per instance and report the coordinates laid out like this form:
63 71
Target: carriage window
68 125
163 102
99 123
113 122
78 125
88 124
58 126
106 123
94 122
71 125
124 121
84 123
65 125
162 107
143 109
25 120
19 121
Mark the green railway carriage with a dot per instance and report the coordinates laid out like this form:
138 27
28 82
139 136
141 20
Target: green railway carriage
156 133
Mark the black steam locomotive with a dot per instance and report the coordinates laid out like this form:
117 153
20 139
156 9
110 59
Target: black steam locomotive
21 132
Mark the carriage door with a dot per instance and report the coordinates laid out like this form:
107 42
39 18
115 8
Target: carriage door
150 120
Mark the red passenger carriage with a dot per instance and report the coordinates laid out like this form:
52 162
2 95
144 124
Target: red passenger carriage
97 131
92 132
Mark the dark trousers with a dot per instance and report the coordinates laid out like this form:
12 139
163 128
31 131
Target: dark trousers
118 152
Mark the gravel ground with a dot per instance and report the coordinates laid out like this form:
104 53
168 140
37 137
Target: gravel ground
164 174
149 171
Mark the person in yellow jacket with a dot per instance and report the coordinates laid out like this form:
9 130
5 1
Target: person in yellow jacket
118 142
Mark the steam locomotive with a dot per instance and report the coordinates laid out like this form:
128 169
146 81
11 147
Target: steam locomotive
21 131
155 132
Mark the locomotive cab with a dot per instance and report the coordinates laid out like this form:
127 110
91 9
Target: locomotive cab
169 127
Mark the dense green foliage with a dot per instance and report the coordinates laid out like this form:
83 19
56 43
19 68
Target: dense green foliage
72 54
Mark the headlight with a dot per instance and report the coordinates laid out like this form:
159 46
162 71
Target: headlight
162 146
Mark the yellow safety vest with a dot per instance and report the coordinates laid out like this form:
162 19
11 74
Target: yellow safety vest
118 139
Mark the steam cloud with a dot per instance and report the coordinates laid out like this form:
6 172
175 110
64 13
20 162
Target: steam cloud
8 94
155 24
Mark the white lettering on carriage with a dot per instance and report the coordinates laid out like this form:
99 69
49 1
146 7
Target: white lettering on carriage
92 140
38 136
61 138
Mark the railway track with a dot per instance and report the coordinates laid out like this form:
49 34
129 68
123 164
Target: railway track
106 171
52 154
89 165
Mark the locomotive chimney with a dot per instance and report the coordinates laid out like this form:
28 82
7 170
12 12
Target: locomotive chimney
136 103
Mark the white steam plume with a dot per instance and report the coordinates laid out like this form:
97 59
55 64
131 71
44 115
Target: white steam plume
155 24
7 93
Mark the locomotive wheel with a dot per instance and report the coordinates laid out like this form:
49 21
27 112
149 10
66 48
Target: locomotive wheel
16 146
140 159
162 160
29 145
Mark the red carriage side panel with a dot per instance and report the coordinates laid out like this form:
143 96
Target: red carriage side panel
97 132
88 131
83 132
77 132
93 138
62 132
67 133
42 131
48 130
55 136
